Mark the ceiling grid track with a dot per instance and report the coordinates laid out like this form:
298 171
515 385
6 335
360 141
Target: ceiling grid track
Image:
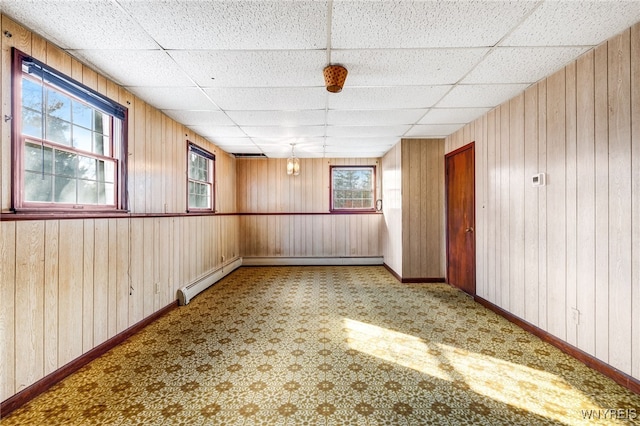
491 49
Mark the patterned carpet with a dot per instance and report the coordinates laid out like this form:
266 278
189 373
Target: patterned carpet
331 346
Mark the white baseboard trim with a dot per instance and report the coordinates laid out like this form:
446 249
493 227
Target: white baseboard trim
311 261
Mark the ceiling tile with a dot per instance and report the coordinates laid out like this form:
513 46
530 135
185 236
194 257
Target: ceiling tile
363 98
287 141
480 95
232 141
269 99
278 118
366 131
579 23
452 115
374 117
432 130
284 151
199 118
284 132
237 68
266 60
187 98
212 131
89 24
187 24
406 24
361 142
355 154
522 64
389 67
241 149
136 67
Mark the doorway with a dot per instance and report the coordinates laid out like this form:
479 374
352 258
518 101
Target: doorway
460 214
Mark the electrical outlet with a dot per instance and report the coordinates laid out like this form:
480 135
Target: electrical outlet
223 258
157 288
575 314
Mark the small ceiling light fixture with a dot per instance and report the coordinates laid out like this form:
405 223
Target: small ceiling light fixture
334 77
293 163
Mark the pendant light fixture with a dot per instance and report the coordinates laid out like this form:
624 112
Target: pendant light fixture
293 163
334 77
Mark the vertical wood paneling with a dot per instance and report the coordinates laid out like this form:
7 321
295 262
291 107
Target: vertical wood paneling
123 281
29 303
176 278
635 196
601 129
516 206
136 271
619 92
499 295
530 205
112 304
148 272
264 187
68 282
70 290
428 173
422 207
8 311
135 166
165 261
581 231
51 250
585 221
570 202
556 205
88 244
480 137
542 206
100 281
505 241
492 255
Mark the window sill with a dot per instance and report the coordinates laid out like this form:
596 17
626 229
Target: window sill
38 214
353 211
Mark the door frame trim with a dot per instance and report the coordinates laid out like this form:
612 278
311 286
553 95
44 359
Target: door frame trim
470 145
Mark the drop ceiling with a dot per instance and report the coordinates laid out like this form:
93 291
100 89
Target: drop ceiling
247 75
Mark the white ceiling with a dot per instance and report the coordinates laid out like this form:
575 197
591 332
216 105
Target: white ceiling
247 75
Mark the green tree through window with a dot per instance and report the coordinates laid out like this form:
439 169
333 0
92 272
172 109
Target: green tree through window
68 147
352 188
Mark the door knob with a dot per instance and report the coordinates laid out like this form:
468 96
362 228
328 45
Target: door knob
469 229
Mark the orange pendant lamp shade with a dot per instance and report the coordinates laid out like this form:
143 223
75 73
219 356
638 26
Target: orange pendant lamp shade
334 77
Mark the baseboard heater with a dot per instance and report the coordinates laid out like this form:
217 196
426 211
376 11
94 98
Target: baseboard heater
188 292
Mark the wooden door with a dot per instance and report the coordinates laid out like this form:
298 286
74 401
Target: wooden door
460 205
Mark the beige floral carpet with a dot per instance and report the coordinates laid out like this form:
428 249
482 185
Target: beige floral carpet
331 346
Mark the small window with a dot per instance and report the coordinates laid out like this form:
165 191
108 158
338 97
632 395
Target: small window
200 182
353 188
68 142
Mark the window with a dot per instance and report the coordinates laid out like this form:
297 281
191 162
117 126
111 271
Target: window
200 182
68 142
353 188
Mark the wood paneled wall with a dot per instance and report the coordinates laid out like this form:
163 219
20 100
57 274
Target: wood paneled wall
423 244
392 208
574 244
413 189
68 285
265 187
335 235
